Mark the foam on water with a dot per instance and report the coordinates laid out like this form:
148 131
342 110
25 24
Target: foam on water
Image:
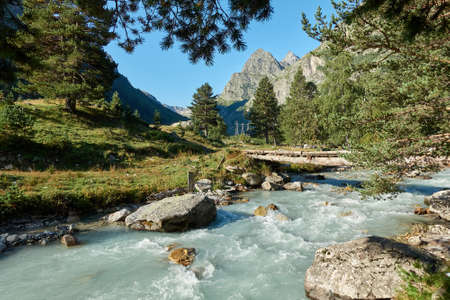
238 257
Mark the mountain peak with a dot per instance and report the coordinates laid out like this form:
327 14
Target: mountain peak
261 62
289 59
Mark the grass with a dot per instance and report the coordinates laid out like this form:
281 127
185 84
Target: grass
92 160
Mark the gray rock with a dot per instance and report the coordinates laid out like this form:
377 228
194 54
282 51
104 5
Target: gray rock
119 216
2 247
440 204
203 185
23 238
294 186
366 268
12 239
269 186
252 179
275 178
173 214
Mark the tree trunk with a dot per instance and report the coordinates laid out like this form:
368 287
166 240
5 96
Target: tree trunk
266 134
71 105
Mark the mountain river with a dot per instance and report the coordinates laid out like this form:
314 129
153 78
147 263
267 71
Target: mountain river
238 257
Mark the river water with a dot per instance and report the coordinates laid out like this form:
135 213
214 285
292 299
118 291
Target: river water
239 256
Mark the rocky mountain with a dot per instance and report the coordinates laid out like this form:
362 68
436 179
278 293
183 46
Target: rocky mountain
181 110
243 85
144 102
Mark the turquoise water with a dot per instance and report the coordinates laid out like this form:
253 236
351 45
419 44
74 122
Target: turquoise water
239 256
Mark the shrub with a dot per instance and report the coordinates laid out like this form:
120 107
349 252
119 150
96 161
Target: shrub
14 120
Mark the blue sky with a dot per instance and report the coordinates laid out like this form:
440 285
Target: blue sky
172 79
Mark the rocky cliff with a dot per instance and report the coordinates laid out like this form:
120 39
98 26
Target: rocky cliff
243 85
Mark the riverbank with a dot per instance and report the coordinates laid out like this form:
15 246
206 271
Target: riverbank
238 255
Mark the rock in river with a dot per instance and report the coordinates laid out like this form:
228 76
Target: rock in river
440 204
182 256
173 214
294 186
270 186
119 215
366 268
69 240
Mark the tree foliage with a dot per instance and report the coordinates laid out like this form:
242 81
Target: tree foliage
202 26
298 115
397 88
205 115
9 51
265 111
69 45
157 118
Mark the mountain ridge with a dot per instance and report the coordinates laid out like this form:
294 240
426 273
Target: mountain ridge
243 85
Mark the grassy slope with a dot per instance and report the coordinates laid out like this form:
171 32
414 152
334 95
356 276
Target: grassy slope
92 160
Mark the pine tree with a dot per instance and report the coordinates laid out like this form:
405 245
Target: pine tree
298 116
157 118
69 44
339 100
205 114
136 114
115 105
265 111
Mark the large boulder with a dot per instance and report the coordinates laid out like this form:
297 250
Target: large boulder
294 186
252 179
440 204
174 214
270 186
367 268
119 216
275 178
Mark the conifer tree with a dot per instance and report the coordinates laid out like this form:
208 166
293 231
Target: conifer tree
136 114
265 111
298 116
115 105
69 44
157 118
205 114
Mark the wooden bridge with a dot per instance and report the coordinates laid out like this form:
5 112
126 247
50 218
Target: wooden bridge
320 158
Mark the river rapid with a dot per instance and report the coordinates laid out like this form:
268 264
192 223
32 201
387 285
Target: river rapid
238 257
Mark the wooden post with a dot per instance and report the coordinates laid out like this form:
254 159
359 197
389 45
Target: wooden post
191 181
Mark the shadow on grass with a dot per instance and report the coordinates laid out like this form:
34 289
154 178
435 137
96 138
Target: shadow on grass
24 153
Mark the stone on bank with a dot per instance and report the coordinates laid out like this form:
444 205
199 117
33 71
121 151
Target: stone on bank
366 268
174 214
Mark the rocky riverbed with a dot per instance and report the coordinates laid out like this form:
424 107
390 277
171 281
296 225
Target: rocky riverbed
237 255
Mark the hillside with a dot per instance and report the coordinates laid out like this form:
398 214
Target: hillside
89 160
243 85
144 102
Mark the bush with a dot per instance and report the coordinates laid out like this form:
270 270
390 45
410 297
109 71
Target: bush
14 120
